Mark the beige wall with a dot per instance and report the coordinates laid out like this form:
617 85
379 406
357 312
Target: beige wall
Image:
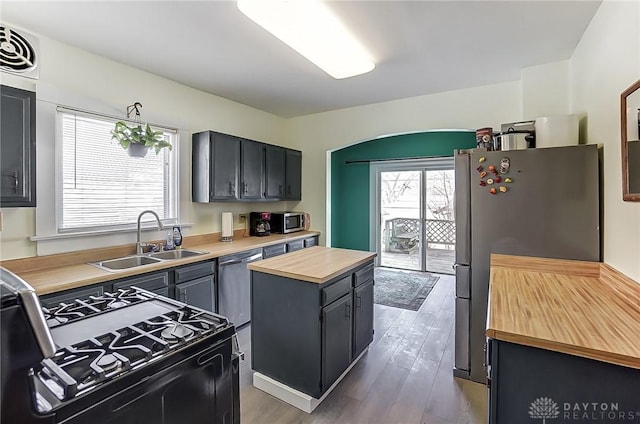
68 73
462 109
606 62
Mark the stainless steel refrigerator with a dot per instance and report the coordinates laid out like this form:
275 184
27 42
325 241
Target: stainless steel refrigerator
550 209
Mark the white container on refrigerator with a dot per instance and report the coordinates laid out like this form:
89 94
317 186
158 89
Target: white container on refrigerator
556 131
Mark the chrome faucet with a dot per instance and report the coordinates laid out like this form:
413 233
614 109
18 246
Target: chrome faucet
139 245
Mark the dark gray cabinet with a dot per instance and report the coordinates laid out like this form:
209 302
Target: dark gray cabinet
312 326
336 339
363 308
294 175
216 167
157 282
226 167
275 160
275 250
528 384
310 241
198 293
362 317
70 295
195 285
252 170
18 147
294 245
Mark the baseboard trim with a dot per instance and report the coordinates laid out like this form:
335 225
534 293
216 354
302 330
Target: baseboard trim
294 397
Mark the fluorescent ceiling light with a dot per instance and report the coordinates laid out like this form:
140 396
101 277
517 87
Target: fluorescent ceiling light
308 27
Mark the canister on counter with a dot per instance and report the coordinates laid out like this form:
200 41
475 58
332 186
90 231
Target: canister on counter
484 138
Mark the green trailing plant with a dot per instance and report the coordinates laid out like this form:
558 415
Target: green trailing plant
126 135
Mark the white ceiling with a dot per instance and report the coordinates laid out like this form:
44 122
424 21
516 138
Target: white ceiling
420 47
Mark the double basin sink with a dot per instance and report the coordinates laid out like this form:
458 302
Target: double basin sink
145 259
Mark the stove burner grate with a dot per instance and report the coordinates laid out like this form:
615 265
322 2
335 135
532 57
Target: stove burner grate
84 366
82 308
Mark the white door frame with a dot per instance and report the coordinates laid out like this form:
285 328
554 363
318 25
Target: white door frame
375 214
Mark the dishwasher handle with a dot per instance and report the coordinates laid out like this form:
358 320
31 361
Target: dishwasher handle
253 258
241 260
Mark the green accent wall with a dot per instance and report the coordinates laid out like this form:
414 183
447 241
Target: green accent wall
350 182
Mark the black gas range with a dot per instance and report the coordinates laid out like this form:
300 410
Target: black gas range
120 358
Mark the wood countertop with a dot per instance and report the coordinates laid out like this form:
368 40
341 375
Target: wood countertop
54 273
585 309
315 265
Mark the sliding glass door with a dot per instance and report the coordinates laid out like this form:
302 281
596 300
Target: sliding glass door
413 205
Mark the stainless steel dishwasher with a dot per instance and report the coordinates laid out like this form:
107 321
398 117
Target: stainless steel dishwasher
234 286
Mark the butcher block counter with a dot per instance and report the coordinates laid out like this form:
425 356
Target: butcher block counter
580 308
564 341
54 273
315 265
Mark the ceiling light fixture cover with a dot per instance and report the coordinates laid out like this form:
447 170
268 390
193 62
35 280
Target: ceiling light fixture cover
308 27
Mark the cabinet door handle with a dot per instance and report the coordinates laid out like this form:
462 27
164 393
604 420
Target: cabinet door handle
359 301
230 187
244 188
347 310
16 181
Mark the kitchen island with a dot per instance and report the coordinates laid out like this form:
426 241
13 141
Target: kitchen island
563 342
312 320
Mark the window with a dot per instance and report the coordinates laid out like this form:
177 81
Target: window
99 186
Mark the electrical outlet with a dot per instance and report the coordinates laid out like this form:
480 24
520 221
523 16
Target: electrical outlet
242 217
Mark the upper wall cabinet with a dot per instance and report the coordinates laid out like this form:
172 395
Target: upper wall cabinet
226 167
294 175
252 170
216 167
275 159
18 147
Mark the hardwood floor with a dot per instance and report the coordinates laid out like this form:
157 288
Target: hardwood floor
438 260
405 377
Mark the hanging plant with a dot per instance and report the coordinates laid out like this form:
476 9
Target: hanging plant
137 139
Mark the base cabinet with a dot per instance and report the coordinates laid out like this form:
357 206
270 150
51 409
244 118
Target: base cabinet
528 384
195 285
362 317
302 333
157 283
198 293
336 339
70 295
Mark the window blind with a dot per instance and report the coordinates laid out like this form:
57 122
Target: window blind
101 186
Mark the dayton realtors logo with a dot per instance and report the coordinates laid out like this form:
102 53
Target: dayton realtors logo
545 408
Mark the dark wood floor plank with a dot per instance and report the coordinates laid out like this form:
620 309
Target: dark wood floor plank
412 398
379 399
444 402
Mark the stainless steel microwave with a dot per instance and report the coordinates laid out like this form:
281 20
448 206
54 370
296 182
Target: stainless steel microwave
286 222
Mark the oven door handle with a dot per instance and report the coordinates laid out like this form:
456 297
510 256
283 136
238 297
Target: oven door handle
33 310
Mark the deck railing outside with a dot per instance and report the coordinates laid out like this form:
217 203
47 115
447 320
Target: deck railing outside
402 235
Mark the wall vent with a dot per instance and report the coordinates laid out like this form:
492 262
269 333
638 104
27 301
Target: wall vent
19 52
